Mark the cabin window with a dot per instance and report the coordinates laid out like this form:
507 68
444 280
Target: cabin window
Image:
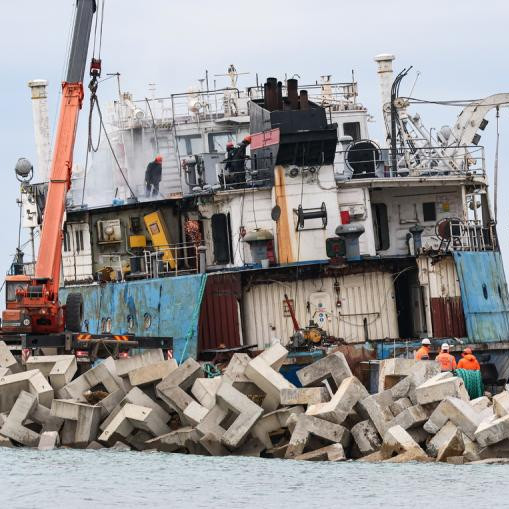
67 242
352 129
429 211
189 145
221 236
218 141
80 244
381 226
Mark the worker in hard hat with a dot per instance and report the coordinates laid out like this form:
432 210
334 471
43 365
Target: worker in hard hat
423 353
445 359
153 175
238 166
468 361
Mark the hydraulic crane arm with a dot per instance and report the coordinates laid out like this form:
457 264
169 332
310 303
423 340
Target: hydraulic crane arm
50 247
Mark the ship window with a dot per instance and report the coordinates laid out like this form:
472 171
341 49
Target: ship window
381 226
352 129
218 141
80 246
67 243
222 238
189 145
429 211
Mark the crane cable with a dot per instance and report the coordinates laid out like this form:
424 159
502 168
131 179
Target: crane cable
495 184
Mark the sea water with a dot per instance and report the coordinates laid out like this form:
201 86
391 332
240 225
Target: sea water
75 479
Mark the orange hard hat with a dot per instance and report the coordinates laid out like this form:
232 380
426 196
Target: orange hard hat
247 138
467 350
159 159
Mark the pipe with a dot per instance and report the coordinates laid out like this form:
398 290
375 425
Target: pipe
304 103
279 96
293 97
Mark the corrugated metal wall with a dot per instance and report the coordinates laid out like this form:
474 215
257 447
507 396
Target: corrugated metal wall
484 294
363 297
441 278
158 307
219 317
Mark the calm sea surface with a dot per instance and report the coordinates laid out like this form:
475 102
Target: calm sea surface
103 479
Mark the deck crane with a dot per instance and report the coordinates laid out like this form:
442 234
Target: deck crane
32 303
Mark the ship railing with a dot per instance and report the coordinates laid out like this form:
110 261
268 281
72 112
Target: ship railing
22 269
245 173
368 161
470 235
167 260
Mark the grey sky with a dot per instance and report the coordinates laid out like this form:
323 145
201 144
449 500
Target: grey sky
459 46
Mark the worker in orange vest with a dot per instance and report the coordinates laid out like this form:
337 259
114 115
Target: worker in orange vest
468 361
423 353
445 359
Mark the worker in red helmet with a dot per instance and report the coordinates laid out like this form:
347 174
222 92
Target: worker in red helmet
247 139
468 361
153 176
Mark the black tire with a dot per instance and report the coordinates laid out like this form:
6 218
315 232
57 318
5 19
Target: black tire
74 312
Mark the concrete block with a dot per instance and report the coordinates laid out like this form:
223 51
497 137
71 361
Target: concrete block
480 404
349 393
195 413
412 417
182 438
400 405
103 374
13 426
333 452
124 366
454 446
307 426
391 371
457 411
152 373
172 389
5 372
212 422
490 433
405 457
7 360
109 403
442 437
501 404
31 381
6 442
305 396
132 417
274 356
212 444
333 368
397 441
42 415
48 441
272 422
86 418
456 460
440 387
58 369
420 435
250 447
377 408
137 397
422 371
120 446
247 414
366 437
472 449
204 390
94 446
269 381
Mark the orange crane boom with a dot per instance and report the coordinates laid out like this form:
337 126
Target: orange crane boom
32 302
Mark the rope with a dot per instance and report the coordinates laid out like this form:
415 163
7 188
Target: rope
473 382
194 316
211 370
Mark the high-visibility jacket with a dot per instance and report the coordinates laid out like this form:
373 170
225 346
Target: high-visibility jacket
469 362
422 354
447 361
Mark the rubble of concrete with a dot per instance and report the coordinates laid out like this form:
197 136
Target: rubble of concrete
147 402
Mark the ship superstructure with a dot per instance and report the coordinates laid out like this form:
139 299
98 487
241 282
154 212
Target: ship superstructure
374 246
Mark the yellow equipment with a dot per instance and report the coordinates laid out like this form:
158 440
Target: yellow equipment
137 241
158 232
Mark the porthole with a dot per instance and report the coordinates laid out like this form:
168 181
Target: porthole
147 320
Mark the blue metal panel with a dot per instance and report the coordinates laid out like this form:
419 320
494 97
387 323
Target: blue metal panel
484 295
172 306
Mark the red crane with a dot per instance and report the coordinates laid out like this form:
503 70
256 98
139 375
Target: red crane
32 303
